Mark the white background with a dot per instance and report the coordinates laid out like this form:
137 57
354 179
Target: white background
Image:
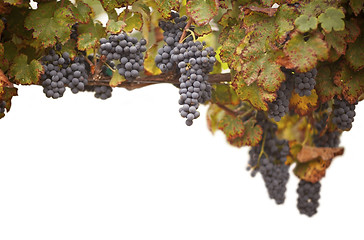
129 168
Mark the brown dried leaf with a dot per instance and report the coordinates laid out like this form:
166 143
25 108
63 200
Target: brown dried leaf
308 153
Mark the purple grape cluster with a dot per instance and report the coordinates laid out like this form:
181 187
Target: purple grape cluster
60 71
271 164
308 197
2 106
343 114
101 92
128 51
305 82
280 106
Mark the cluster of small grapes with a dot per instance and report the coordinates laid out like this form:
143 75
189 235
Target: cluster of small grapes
101 92
271 164
305 82
2 106
61 71
173 31
343 114
308 197
280 106
128 51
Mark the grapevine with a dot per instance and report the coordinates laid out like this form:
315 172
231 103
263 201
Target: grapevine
282 79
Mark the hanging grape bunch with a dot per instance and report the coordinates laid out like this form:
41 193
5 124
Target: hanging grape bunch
270 78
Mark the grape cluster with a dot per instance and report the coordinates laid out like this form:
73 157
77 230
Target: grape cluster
2 106
270 161
280 106
328 139
308 197
343 114
77 75
126 50
173 30
101 92
305 82
55 74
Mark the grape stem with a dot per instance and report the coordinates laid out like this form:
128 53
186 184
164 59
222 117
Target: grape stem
184 33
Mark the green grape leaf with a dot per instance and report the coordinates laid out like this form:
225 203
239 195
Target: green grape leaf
89 35
133 20
351 82
304 105
213 117
116 79
232 127
82 12
332 19
50 23
325 87
70 47
256 95
355 53
305 54
336 40
14 2
202 30
224 94
284 22
25 73
4 62
15 23
315 7
110 5
305 23
252 135
229 39
149 64
165 7
202 11
115 26
357 6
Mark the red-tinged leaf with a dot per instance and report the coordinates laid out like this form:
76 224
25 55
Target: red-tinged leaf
355 53
304 105
337 41
50 23
308 153
325 87
4 62
133 20
232 127
252 135
82 12
305 23
115 26
4 81
357 6
213 117
269 11
202 30
225 95
284 22
165 7
352 83
305 54
312 171
254 94
269 3
202 11
25 73
332 19
229 40
353 30
110 5
89 35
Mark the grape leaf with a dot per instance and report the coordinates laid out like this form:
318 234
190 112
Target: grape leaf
150 67
50 23
308 153
89 35
4 81
332 19
357 6
252 135
229 41
115 26
202 11
351 82
353 30
133 20
304 105
82 12
355 53
4 62
15 2
165 7
337 41
315 7
257 96
2 27
312 171
325 87
284 22
225 95
116 79
70 47
202 30
25 73
110 5
213 117
232 127
305 54
304 23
